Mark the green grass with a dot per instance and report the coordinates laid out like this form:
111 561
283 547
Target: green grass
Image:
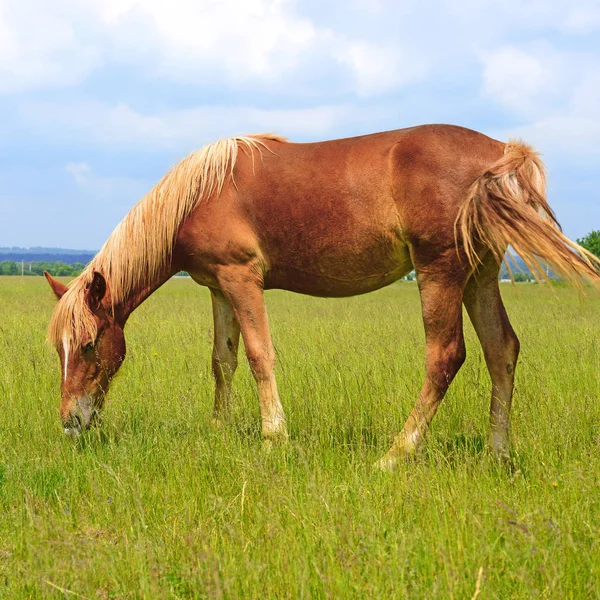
157 504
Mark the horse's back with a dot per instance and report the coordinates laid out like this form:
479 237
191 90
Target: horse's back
339 218
326 218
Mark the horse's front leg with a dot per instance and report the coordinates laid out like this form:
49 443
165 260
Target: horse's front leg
224 355
243 289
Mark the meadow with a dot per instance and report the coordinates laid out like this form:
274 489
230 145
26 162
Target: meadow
157 504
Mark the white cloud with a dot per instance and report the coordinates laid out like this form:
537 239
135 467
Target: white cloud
41 48
518 79
244 38
568 136
377 67
583 19
116 193
54 44
80 171
241 42
555 96
49 44
265 44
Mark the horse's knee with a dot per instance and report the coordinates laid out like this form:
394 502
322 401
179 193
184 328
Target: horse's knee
261 361
223 368
449 358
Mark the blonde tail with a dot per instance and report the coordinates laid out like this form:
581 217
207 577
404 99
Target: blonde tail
507 205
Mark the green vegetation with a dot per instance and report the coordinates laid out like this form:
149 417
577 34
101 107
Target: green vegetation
56 268
521 277
591 242
157 504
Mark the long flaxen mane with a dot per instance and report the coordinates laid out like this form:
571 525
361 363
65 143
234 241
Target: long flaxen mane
141 246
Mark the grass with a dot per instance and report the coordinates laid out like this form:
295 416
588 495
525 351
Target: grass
157 504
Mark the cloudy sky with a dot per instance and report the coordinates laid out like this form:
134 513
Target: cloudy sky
98 98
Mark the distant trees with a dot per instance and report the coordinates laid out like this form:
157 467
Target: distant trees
521 277
56 268
8 267
591 242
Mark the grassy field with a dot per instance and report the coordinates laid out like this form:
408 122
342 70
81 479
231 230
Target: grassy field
157 504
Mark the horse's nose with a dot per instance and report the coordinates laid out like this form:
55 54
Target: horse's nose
73 425
80 415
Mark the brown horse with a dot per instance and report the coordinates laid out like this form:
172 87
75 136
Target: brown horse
335 218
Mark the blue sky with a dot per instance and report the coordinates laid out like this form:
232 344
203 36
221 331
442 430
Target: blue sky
98 98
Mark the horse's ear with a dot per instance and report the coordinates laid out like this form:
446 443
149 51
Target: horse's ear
96 291
58 288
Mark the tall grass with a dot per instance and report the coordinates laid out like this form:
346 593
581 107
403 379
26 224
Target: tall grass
157 504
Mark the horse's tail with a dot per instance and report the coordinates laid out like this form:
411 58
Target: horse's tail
507 205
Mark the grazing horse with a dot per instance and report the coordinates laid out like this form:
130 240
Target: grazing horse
335 218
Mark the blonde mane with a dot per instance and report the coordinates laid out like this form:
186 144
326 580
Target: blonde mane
141 246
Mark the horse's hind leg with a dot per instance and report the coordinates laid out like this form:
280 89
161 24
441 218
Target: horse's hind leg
225 352
441 285
500 347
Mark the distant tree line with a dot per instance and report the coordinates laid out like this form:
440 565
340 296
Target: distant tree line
591 242
521 277
56 268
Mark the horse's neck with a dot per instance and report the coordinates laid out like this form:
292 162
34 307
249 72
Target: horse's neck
135 298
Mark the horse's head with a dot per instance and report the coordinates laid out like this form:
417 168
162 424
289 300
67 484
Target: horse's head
91 346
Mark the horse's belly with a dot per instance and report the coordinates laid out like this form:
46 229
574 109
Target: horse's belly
340 271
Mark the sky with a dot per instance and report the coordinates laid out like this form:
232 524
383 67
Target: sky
99 98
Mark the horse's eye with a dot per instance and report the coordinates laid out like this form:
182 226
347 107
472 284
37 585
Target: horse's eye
88 347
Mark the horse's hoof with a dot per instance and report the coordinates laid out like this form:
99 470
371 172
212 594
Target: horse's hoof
275 438
394 458
386 464
503 459
216 423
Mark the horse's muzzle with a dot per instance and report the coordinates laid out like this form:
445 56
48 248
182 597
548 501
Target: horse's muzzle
80 418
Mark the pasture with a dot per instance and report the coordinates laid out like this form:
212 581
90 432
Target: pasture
158 504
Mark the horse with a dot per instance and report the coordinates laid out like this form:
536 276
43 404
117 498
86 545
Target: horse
334 218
